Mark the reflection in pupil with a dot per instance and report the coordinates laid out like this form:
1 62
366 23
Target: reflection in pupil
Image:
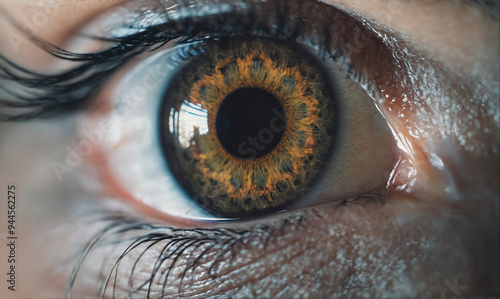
250 118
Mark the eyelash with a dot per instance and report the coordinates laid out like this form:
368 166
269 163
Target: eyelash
179 241
63 93
53 95
185 241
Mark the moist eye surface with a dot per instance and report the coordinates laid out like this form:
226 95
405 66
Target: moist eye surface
246 124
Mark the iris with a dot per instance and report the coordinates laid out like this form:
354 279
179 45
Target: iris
246 124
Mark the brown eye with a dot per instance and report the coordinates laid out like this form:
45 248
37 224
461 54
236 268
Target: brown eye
229 127
247 125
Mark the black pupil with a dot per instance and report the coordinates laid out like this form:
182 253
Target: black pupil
250 122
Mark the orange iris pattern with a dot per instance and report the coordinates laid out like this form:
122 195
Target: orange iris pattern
231 185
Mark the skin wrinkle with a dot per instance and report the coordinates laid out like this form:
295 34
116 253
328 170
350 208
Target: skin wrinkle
361 260
419 245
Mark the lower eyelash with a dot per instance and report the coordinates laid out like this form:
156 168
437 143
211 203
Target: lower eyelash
179 241
196 244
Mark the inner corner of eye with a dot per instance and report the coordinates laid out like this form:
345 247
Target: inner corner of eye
246 125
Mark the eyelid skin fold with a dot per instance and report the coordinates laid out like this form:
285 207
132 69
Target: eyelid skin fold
175 17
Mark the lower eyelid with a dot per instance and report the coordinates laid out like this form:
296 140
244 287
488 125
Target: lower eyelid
354 235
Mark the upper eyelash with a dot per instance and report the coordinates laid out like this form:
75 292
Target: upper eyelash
58 93
51 95
50 100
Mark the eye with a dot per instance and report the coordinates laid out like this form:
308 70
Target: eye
158 147
236 126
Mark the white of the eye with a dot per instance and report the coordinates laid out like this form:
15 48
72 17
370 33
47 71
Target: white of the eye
136 158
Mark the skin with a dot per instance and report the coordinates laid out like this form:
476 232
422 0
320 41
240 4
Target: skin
424 241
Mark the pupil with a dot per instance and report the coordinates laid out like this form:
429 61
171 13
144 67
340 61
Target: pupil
250 122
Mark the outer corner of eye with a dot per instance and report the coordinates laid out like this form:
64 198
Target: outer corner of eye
238 128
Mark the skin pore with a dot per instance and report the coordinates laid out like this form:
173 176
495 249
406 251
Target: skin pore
439 229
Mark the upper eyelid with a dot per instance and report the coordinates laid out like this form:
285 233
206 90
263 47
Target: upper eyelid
488 8
93 9
454 32
124 49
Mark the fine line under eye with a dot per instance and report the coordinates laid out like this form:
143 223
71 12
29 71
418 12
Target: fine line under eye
54 94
